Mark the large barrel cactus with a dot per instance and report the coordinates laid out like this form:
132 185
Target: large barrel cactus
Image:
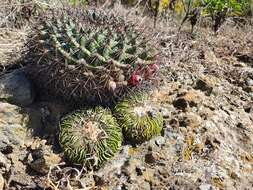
139 118
90 137
89 57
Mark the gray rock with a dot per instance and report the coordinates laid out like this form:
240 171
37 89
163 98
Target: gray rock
249 82
160 141
13 131
205 187
1 182
20 178
145 185
42 157
15 88
165 113
4 162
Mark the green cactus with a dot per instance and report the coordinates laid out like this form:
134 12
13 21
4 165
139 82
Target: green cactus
90 137
88 57
138 118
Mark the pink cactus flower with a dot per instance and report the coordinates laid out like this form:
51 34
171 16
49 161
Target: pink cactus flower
135 80
140 73
150 70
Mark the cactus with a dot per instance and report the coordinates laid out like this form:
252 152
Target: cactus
90 137
138 118
89 57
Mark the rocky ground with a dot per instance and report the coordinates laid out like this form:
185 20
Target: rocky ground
205 95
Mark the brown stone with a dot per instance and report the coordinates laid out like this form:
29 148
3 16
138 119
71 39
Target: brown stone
189 99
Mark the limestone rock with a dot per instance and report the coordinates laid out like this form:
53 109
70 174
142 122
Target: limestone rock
1 182
188 99
249 89
42 157
129 169
190 119
12 127
206 84
4 162
205 187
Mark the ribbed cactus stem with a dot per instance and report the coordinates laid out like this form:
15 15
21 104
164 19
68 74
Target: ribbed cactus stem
76 48
90 137
139 118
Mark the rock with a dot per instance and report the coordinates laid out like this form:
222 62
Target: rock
165 113
188 99
210 57
248 107
15 88
240 64
11 115
13 131
160 141
129 168
42 158
18 175
150 158
44 117
206 84
205 187
180 103
249 89
191 120
115 165
22 179
148 174
164 171
4 162
249 82
88 181
145 185
1 182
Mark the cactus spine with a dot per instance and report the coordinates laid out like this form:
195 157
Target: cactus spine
139 120
90 137
89 57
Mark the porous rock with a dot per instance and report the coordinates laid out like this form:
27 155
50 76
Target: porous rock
12 127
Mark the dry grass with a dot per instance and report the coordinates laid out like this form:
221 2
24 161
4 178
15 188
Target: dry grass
60 177
11 43
16 18
17 13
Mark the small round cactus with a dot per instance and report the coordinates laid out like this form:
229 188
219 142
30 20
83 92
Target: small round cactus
90 137
139 119
89 57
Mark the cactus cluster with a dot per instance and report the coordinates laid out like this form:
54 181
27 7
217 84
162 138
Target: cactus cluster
94 58
89 58
90 137
139 119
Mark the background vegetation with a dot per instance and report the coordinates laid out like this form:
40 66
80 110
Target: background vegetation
192 10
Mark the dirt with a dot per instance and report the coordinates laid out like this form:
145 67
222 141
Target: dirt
205 93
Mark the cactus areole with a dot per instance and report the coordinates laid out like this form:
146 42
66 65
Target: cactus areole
139 118
89 57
